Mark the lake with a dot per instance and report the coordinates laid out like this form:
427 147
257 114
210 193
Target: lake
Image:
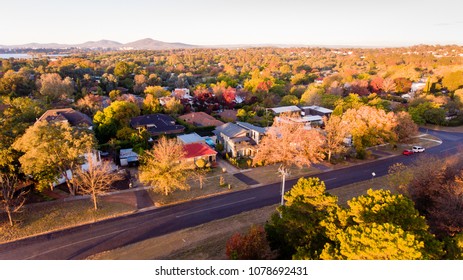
27 56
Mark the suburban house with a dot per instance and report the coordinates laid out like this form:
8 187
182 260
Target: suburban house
253 132
200 119
69 115
285 110
196 151
316 111
191 138
239 139
181 93
157 124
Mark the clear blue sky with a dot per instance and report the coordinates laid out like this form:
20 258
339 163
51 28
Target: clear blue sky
209 22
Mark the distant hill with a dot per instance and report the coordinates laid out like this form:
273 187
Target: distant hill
144 44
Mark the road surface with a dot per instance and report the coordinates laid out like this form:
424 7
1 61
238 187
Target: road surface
86 240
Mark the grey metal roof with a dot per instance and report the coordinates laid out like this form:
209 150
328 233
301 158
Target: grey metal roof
190 138
230 129
249 126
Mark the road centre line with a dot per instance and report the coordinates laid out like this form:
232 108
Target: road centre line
211 208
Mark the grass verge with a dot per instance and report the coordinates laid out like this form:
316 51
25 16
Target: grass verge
207 241
41 218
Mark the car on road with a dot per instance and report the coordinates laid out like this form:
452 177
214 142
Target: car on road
407 152
417 149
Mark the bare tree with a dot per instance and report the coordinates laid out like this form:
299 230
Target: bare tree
96 180
289 143
11 200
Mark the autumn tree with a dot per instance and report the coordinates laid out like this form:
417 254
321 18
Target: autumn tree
250 246
163 167
453 80
53 89
11 200
151 105
406 128
370 126
96 178
289 143
402 85
173 106
52 151
389 85
156 91
335 134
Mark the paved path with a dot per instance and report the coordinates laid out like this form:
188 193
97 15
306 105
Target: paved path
224 164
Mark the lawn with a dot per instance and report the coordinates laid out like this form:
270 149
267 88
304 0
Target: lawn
40 218
207 241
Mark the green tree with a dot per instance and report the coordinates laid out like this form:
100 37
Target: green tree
122 69
52 150
289 100
297 229
163 167
113 118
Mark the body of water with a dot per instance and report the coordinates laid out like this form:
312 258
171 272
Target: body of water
27 56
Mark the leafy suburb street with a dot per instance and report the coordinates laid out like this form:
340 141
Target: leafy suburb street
83 241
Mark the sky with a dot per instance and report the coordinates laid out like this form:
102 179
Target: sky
218 22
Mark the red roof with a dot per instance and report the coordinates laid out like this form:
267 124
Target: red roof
194 150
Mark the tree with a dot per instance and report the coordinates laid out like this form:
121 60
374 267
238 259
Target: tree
289 100
96 179
370 126
156 91
11 200
312 96
380 225
406 127
288 143
53 150
163 167
151 105
251 246
296 228
389 85
173 106
403 85
53 89
453 80
122 69
113 118
335 134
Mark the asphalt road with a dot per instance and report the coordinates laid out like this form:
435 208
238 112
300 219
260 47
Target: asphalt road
83 241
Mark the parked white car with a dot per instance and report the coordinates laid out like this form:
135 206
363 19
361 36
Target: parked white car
417 149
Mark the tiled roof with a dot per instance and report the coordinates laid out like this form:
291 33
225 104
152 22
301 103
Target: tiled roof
200 119
67 114
194 150
157 124
228 114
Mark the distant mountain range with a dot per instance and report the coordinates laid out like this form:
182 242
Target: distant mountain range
151 44
144 44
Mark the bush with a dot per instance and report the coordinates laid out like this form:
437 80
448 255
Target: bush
250 246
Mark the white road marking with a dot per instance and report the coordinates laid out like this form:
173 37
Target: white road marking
446 150
211 208
329 179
